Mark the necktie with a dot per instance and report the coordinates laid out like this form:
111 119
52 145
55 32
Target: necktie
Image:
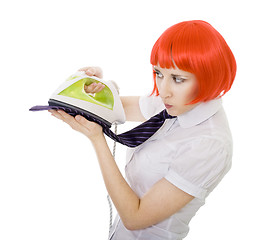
131 138
141 133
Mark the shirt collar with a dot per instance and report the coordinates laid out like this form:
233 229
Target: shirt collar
200 113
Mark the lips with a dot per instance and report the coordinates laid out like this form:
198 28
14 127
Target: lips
168 106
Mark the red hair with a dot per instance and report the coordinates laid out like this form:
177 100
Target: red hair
196 47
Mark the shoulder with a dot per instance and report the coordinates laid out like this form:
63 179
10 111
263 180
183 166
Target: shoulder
150 105
204 148
206 124
199 166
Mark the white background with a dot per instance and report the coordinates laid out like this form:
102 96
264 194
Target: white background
50 183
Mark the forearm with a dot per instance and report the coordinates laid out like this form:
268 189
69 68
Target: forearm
123 197
132 108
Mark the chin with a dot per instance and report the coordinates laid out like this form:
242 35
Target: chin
171 112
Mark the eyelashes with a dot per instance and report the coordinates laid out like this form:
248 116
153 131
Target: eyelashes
179 79
157 74
176 79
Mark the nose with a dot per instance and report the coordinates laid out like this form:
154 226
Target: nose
164 88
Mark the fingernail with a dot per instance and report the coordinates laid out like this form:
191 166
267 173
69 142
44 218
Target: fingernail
89 72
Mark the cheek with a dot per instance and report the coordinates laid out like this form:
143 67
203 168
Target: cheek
158 83
187 93
193 90
194 93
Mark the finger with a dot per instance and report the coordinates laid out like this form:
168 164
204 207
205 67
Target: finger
90 88
94 88
90 71
51 111
78 123
98 72
99 87
66 117
85 68
86 124
82 120
54 113
60 114
86 89
72 122
93 71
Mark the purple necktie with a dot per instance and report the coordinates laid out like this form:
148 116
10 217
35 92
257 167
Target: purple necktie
141 133
131 138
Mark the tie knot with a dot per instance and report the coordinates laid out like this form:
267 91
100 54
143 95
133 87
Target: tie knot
165 115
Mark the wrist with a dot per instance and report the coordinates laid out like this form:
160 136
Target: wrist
97 138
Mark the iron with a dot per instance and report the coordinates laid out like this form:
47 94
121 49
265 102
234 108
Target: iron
104 107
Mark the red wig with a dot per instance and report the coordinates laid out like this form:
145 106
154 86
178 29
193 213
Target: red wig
198 48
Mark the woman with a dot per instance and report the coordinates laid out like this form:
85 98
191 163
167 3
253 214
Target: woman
170 175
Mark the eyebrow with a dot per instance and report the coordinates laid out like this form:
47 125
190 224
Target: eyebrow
180 76
173 75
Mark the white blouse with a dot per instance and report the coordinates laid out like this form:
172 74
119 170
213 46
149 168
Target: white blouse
192 151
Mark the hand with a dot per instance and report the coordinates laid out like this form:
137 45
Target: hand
93 87
90 129
93 71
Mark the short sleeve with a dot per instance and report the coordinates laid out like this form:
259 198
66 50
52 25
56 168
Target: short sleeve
199 166
150 106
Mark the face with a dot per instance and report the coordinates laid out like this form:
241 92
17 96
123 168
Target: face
176 88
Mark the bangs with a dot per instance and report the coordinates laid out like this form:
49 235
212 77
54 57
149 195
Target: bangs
179 47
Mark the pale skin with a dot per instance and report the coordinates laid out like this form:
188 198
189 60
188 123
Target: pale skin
163 199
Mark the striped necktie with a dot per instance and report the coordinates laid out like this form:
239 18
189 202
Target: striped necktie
132 138
141 133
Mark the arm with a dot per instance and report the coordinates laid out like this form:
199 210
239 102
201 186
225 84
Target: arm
132 109
160 202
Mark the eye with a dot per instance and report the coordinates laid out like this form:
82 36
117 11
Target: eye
158 74
179 79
